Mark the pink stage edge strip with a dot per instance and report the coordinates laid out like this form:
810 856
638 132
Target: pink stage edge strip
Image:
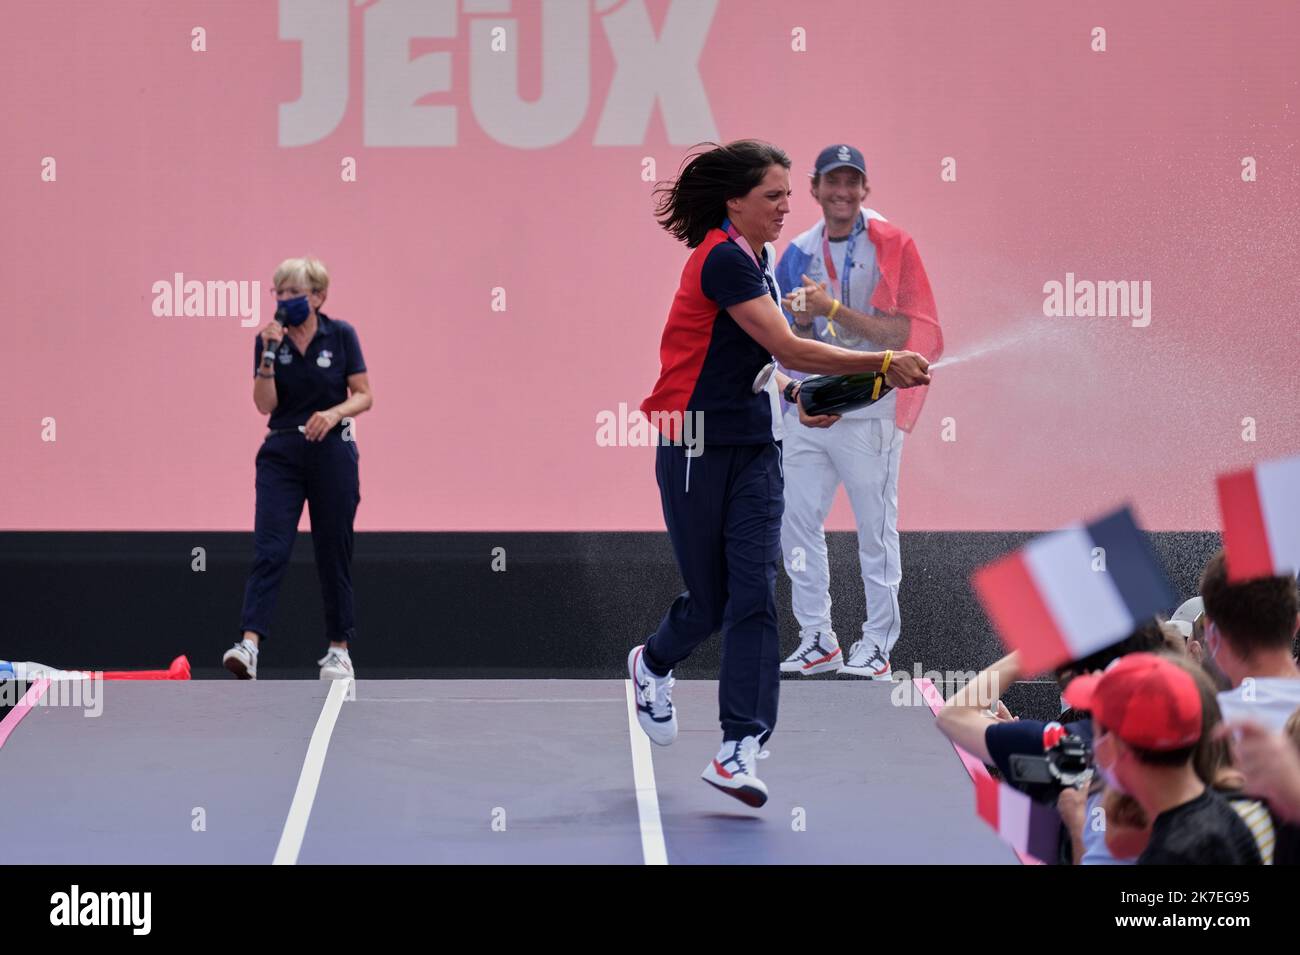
973 765
22 708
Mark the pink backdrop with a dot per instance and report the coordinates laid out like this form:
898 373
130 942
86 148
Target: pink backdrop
1122 165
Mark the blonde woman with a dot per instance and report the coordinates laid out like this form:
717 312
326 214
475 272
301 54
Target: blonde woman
309 376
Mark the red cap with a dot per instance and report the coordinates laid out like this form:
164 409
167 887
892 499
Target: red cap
1145 700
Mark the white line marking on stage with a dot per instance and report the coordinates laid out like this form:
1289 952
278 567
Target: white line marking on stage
295 825
647 797
488 699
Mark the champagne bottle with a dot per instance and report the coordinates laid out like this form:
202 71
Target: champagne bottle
836 394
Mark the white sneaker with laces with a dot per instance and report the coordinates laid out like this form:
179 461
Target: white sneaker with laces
734 771
818 651
336 665
867 660
654 699
241 660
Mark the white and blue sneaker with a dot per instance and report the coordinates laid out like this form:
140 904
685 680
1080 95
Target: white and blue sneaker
241 660
867 660
818 651
735 772
654 699
336 664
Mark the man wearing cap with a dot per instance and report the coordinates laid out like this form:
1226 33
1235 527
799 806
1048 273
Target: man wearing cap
1189 620
856 281
1250 631
1146 715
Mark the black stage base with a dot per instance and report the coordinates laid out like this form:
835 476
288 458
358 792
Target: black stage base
431 605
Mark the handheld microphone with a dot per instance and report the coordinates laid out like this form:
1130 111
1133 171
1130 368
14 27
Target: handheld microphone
268 351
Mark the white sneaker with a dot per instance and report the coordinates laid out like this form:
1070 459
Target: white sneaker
241 660
867 660
818 652
654 699
734 771
336 665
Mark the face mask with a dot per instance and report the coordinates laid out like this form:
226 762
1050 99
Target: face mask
296 310
1107 774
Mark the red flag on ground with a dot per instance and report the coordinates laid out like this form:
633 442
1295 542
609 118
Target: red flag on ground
179 670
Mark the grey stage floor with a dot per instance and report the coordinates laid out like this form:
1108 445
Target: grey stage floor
476 771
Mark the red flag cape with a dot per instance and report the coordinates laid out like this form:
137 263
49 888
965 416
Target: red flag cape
904 289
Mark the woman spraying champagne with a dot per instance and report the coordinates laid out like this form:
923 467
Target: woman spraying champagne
723 500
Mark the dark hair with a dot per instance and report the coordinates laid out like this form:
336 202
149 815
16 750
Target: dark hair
1147 638
1210 755
1164 757
1254 615
696 201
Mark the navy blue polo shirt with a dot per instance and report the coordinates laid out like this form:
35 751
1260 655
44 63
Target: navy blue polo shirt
707 361
305 384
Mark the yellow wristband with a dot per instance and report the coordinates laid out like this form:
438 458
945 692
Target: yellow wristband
835 307
884 365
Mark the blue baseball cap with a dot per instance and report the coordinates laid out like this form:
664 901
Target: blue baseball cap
833 157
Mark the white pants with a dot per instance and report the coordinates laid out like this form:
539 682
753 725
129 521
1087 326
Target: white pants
863 455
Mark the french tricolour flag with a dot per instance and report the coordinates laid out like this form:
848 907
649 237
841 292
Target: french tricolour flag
1031 827
1260 509
1074 591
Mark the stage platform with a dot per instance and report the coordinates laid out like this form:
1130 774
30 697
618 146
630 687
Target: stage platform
474 771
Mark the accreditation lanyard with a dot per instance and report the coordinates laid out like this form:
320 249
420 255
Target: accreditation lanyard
829 263
734 234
